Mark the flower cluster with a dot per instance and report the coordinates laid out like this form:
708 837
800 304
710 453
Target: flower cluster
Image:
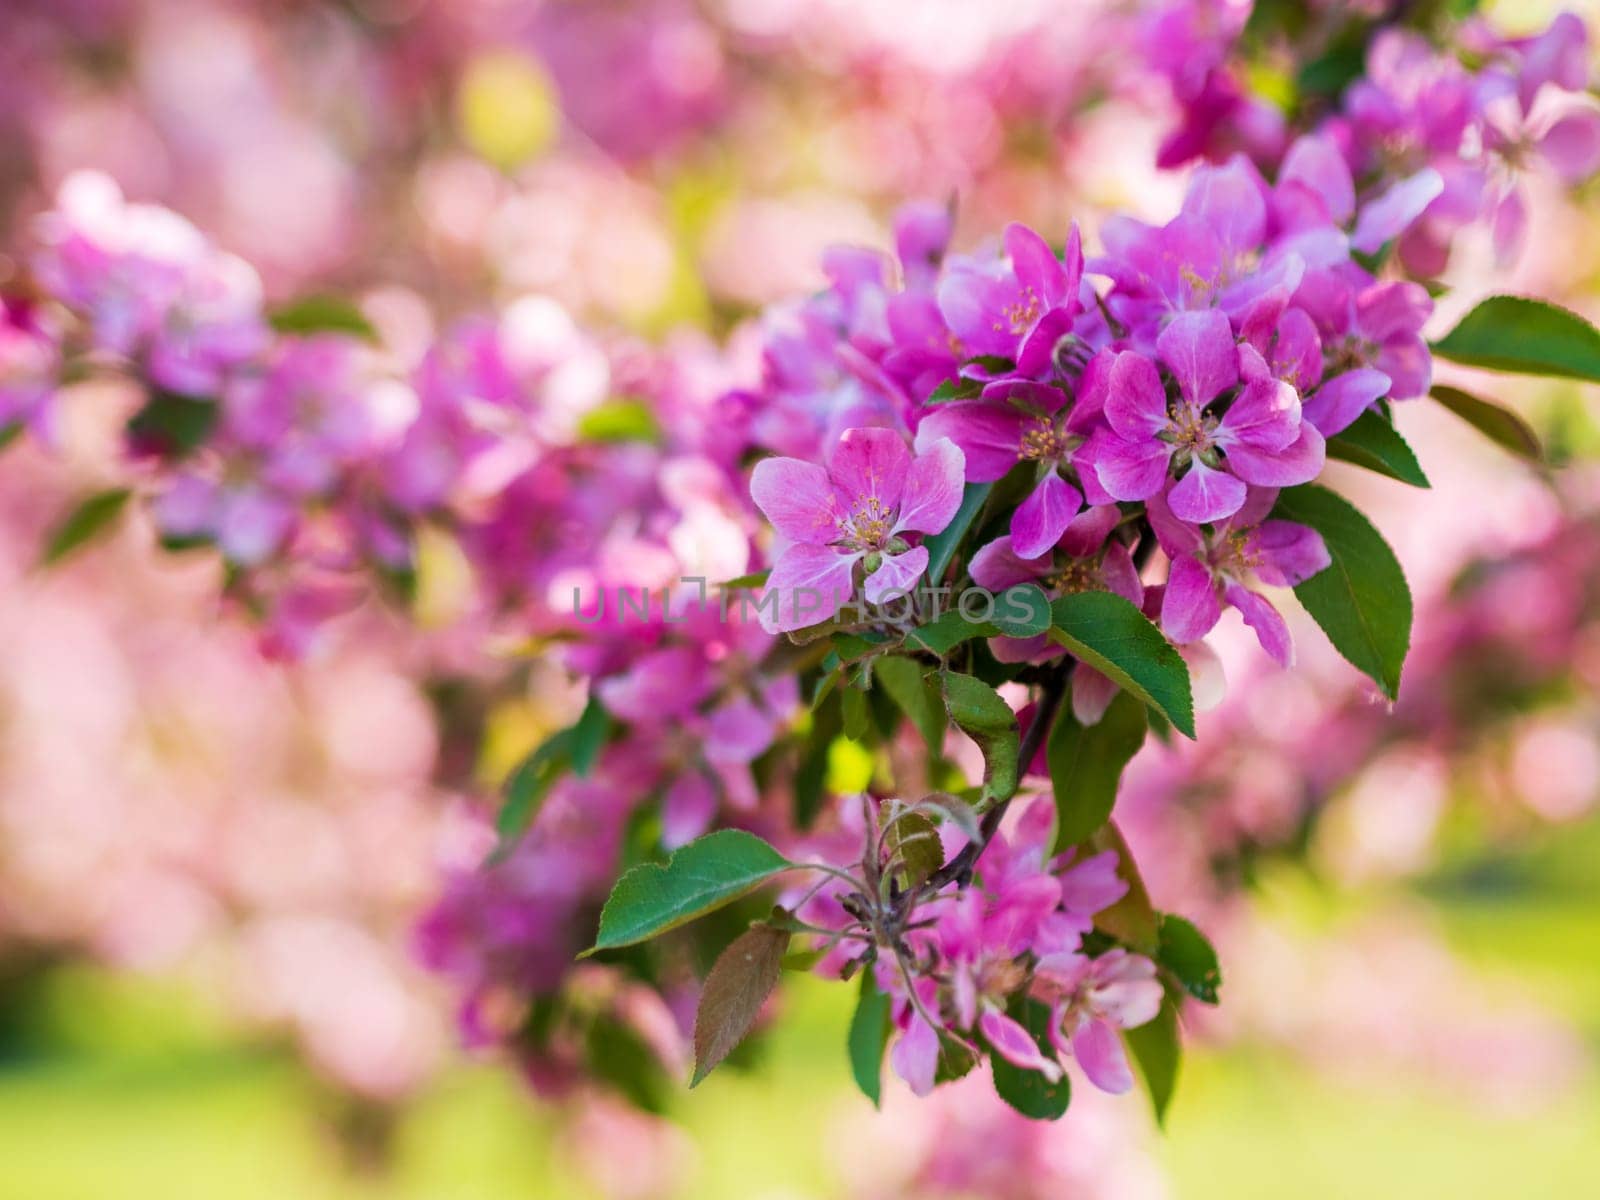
959 966
1123 440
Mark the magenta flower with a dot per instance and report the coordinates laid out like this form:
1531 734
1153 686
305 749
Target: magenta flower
1017 307
858 510
1225 565
1092 998
1259 439
1022 422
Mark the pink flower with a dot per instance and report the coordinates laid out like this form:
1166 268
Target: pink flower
1016 422
1091 999
1260 439
1225 564
1017 307
856 510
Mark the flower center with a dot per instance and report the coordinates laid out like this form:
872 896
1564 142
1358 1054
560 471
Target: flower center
1021 313
1079 575
1236 553
1191 429
1041 444
868 527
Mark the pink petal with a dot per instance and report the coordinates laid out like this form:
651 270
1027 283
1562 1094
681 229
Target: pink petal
988 435
1093 884
1392 213
1130 470
1099 1052
870 463
915 1055
1510 227
1340 400
1205 494
797 498
1198 348
1036 265
1289 553
1315 163
687 809
1189 607
737 732
1271 629
1043 517
1088 531
1175 537
997 566
1092 694
1299 463
933 488
810 583
659 685
1572 146
1266 416
1012 1042
1136 403
897 576
1120 575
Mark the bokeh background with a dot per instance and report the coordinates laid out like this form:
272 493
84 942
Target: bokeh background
212 865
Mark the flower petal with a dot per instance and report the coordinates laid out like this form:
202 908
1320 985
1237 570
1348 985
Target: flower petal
1043 517
1271 629
1189 607
897 576
989 436
870 464
1340 400
1205 494
1012 1042
933 488
1099 1052
1198 348
797 498
1136 403
810 582
997 566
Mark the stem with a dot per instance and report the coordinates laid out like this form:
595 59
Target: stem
959 869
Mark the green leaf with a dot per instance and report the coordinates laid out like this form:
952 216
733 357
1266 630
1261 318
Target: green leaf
171 424
948 630
589 736
1361 600
977 709
853 706
91 518
1086 764
619 421
1373 443
322 314
1500 425
869 1035
1120 642
995 364
906 682
1132 920
955 389
1029 1092
1525 336
912 839
1187 953
704 875
526 788
754 579
740 982
1157 1051
941 546
1023 611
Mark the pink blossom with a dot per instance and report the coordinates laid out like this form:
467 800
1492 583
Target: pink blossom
855 511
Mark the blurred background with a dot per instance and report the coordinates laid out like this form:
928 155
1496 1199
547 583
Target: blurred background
212 865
